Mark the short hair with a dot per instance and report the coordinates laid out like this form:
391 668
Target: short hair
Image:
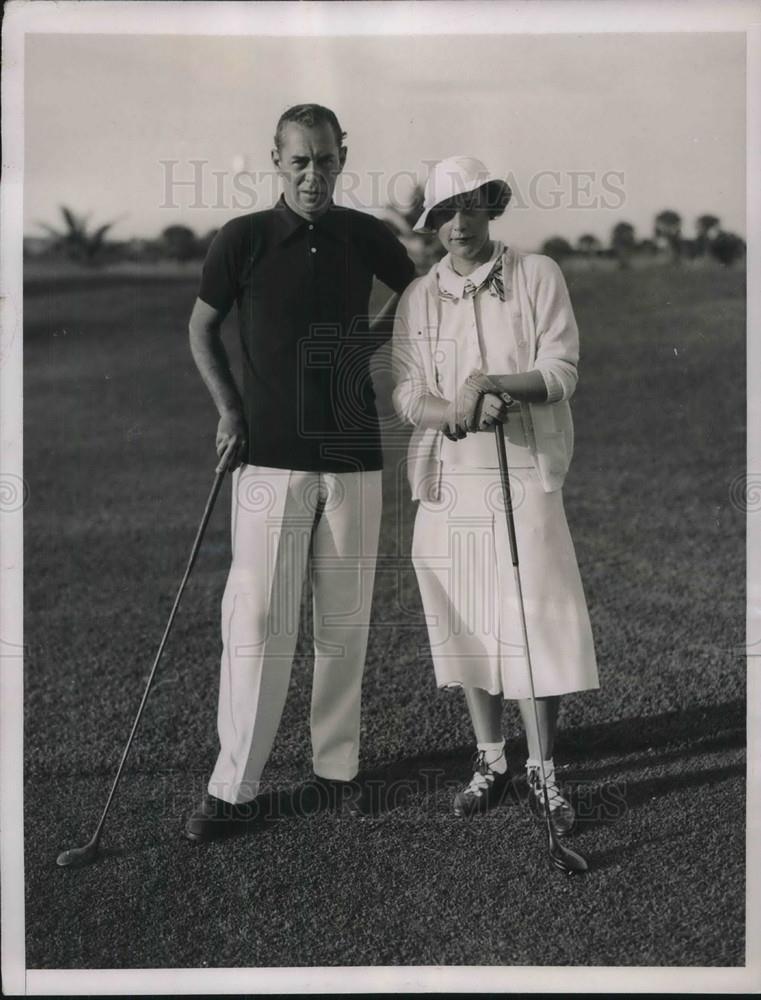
493 196
498 198
308 115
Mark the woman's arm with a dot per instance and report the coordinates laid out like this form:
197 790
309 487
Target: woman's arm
432 412
525 387
555 375
411 388
557 335
413 399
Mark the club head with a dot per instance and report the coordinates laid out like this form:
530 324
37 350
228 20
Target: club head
566 860
78 857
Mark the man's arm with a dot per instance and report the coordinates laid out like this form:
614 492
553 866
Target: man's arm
213 365
392 266
392 263
383 320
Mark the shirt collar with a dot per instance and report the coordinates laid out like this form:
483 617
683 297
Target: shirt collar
286 222
457 286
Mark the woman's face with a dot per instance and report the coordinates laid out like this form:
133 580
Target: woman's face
463 227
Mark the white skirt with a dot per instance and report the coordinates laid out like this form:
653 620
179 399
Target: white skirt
461 554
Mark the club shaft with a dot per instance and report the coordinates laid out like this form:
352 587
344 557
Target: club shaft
504 472
218 479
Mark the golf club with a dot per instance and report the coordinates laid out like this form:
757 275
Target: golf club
562 858
77 857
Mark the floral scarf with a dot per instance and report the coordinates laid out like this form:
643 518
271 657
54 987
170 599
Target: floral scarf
494 282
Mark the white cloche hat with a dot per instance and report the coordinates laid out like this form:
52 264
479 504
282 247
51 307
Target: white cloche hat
460 175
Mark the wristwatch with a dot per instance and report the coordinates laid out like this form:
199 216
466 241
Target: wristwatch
481 381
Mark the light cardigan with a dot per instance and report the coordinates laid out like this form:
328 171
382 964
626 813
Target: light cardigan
538 309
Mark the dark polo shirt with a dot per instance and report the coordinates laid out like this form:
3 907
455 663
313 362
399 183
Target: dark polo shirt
302 291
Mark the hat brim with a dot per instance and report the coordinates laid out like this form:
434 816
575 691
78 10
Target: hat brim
502 192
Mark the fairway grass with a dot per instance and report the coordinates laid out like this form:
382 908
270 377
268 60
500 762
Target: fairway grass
119 458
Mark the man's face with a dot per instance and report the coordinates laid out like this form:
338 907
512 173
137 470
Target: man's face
309 162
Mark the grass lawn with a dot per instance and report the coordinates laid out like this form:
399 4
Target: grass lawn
119 458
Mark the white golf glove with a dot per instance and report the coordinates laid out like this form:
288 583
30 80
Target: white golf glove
462 413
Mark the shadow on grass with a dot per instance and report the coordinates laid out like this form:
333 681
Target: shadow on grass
664 737
696 725
608 803
654 741
422 786
638 794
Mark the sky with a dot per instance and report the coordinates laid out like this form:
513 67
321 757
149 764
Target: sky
589 129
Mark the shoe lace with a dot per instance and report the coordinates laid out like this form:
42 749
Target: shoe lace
554 795
483 776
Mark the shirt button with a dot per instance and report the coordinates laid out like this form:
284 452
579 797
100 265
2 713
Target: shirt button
311 227
313 249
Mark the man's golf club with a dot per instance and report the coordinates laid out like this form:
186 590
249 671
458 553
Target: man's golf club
562 858
77 857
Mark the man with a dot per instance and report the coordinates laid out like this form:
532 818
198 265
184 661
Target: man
305 444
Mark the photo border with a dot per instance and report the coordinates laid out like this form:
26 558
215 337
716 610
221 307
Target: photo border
349 18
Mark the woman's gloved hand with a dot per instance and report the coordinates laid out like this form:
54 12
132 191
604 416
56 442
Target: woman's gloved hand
484 383
461 416
492 410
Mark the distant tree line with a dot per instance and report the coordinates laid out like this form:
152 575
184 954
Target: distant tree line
667 242
76 239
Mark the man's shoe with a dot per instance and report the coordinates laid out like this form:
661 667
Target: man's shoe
216 818
486 789
344 798
561 811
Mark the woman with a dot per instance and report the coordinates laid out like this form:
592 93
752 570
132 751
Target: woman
487 336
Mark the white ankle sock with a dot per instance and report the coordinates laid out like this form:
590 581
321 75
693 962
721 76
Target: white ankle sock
549 768
494 756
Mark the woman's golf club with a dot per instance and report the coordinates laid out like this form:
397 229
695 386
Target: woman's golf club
77 857
562 858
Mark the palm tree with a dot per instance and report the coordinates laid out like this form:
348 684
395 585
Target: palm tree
76 240
588 245
558 248
727 247
179 243
623 243
707 227
668 229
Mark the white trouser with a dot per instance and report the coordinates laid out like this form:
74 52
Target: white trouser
273 522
